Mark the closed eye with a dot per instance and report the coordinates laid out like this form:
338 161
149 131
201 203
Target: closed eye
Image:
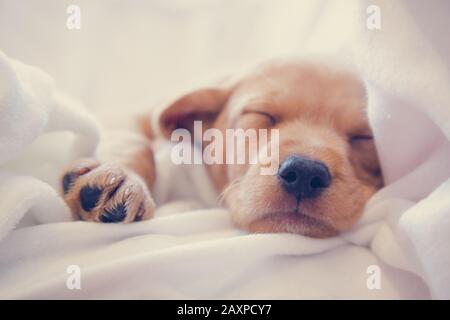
272 119
360 138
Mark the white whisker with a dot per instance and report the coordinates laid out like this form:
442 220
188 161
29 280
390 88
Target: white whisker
232 185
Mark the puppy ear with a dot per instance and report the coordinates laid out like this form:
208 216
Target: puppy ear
203 104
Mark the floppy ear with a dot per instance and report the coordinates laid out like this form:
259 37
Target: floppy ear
203 104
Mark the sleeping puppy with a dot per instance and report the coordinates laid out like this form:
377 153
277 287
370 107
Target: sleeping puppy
327 162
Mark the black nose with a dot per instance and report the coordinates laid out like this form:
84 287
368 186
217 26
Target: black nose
303 177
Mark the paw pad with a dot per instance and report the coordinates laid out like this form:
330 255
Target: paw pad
68 180
89 197
105 193
116 214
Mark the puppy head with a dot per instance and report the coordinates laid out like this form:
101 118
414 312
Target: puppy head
327 166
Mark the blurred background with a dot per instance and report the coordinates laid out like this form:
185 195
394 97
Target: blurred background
131 53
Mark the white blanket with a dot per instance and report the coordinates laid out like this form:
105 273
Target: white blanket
187 252
40 130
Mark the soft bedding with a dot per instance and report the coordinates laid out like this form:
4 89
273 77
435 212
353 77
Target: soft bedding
398 250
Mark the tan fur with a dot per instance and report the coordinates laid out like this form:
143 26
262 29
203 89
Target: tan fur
143 164
318 109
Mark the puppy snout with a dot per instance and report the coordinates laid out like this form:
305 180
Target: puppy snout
303 177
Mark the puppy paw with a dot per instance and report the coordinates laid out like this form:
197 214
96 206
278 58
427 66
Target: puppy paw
106 193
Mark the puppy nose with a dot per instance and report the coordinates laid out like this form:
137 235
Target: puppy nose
303 177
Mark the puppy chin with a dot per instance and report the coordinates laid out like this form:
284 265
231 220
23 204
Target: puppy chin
292 222
263 207
259 204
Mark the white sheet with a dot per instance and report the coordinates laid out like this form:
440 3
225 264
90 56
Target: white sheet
189 253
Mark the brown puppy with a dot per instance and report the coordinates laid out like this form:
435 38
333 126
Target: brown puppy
328 166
